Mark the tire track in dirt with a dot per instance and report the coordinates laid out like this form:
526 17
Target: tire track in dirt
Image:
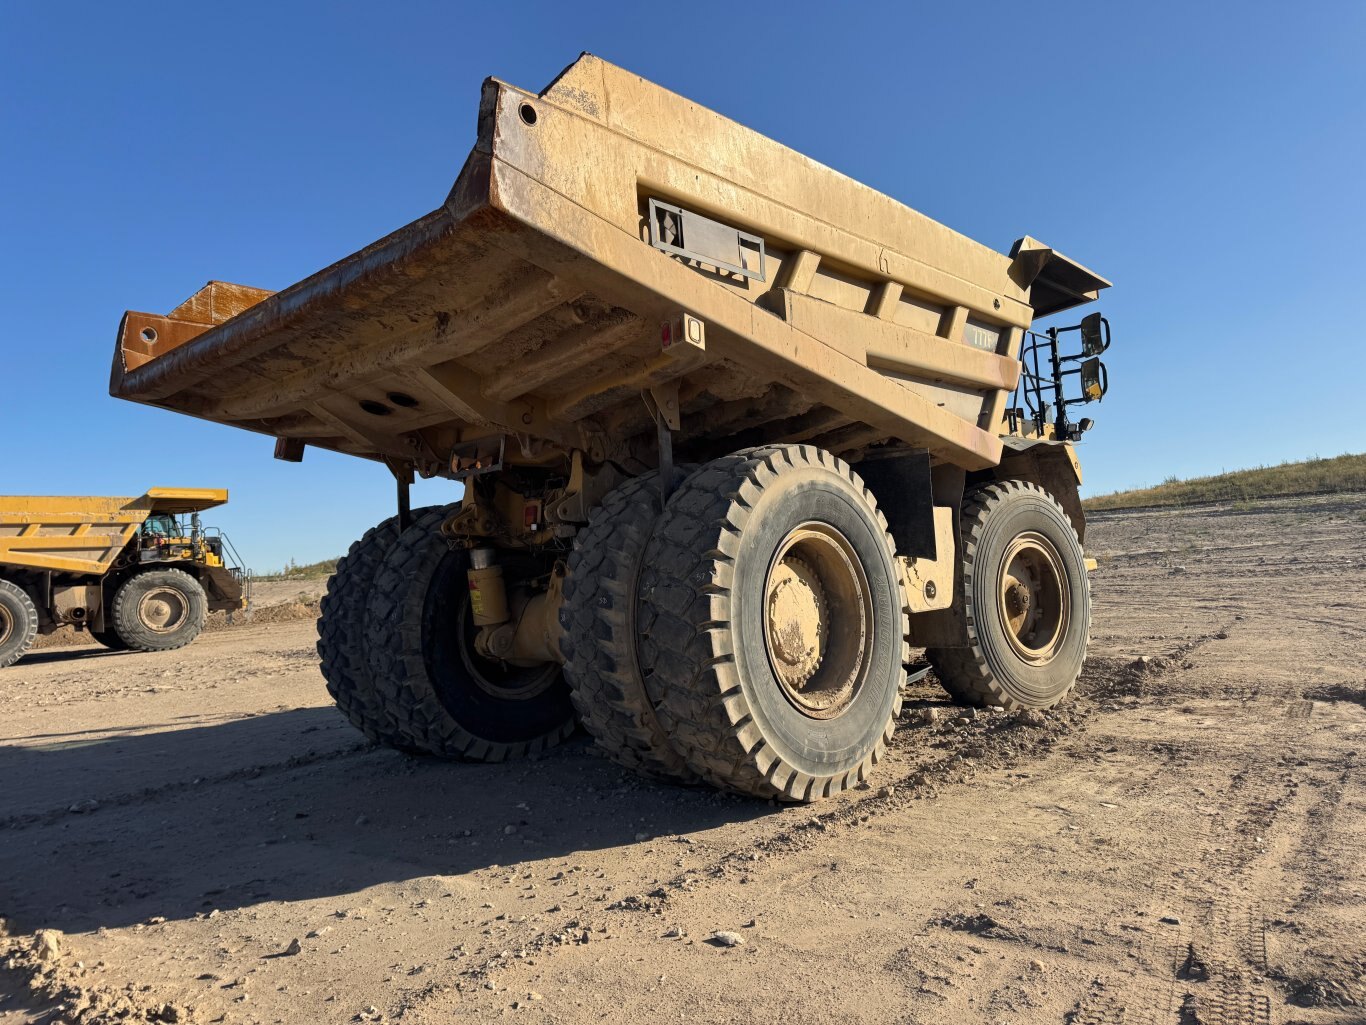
1224 964
1205 962
990 740
1000 742
1310 970
1209 965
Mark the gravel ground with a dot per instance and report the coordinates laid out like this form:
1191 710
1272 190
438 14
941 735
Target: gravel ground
200 837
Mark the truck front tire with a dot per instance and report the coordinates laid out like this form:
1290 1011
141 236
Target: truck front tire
18 623
773 634
442 696
1022 607
159 610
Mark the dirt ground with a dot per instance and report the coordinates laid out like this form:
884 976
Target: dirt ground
1182 843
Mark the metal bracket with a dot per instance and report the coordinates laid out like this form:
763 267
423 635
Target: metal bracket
583 492
662 402
482 455
403 476
665 404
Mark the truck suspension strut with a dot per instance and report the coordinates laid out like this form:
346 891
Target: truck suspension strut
524 632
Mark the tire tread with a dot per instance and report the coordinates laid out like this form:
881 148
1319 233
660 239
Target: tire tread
963 670
342 633
394 646
685 595
28 626
599 633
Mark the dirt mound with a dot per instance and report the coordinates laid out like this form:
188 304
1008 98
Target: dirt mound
48 971
287 612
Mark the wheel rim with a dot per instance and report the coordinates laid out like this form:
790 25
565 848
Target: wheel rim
164 609
818 611
6 624
501 680
1034 604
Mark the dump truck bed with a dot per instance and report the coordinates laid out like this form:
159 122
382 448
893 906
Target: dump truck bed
606 238
81 533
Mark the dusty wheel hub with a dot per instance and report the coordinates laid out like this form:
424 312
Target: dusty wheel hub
1017 601
1035 604
6 624
796 620
163 610
817 619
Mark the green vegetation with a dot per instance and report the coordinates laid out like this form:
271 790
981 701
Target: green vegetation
1311 477
293 571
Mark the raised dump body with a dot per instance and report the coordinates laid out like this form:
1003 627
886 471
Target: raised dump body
531 302
619 283
129 570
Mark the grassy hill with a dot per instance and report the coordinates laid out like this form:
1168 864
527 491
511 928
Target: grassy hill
1311 477
293 571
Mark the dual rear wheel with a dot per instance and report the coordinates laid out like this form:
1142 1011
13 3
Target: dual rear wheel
750 635
772 629
396 643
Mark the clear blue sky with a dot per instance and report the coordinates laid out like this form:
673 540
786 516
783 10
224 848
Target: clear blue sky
1209 159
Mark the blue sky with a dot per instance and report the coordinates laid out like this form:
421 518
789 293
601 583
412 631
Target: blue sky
1209 159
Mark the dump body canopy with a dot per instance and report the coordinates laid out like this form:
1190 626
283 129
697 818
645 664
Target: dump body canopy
533 303
83 533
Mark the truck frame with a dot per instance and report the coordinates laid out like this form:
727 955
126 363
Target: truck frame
735 431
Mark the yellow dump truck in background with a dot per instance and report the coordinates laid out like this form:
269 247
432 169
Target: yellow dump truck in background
134 572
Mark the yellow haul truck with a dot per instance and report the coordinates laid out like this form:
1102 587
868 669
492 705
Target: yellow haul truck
736 434
137 573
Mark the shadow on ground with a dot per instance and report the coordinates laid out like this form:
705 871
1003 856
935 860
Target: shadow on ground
66 654
113 828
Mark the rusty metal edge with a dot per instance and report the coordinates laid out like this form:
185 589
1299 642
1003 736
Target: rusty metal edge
238 339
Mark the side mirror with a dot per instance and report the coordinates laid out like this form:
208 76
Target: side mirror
1094 380
1095 334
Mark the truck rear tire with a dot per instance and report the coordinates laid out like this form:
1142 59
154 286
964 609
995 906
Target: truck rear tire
773 634
442 696
109 638
18 623
1023 601
599 641
159 610
342 635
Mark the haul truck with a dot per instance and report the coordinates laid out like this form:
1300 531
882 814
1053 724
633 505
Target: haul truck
136 573
736 434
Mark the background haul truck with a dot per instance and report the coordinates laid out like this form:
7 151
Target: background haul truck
131 571
736 433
